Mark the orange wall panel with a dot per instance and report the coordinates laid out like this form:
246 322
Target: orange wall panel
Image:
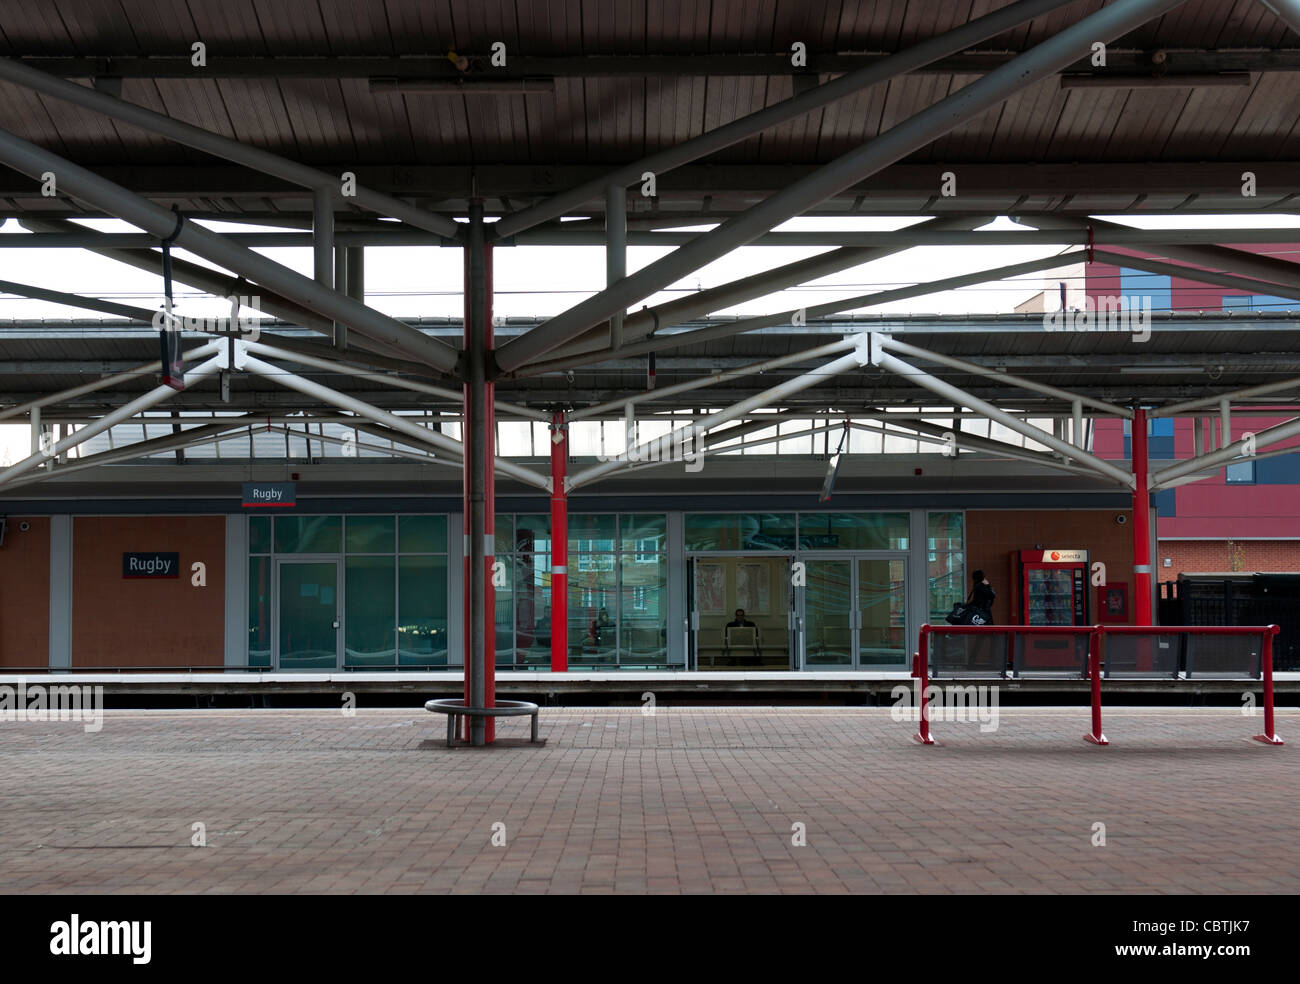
119 621
992 535
25 594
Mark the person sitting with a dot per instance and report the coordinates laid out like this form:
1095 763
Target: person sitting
602 622
740 622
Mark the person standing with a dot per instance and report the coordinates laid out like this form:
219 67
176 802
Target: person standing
982 597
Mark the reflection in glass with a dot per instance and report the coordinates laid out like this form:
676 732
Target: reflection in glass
422 611
882 600
643 622
259 608
370 534
827 611
308 534
369 630
308 609
421 534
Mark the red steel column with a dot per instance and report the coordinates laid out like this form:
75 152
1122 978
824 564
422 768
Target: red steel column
1094 674
1269 737
559 545
1141 521
921 671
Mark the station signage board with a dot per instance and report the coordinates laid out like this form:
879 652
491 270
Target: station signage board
152 564
269 495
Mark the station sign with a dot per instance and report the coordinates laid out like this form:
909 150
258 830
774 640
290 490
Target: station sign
154 564
269 494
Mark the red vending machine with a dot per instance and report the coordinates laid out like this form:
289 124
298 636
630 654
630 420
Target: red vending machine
1053 587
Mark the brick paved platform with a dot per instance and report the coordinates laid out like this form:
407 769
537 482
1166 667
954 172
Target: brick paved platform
693 801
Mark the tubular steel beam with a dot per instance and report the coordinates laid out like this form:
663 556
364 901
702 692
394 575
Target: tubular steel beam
696 430
74 300
934 232
73 179
1048 57
103 383
1225 455
730 328
641 324
949 43
1265 268
717 377
219 146
125 412
615 252
278 351
903 348
1203 276
1179 409
390 70
958 397
344 402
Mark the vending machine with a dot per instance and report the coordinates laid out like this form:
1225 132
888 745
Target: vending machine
1053 586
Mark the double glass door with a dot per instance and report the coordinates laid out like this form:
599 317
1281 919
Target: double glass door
854 612
845 611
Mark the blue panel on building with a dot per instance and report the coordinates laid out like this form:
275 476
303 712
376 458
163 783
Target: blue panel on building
1282 470
1165 505
1139 283
1258 302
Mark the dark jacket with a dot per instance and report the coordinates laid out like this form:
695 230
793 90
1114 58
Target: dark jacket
982 598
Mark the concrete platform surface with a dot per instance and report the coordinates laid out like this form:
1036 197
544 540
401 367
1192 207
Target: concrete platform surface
692 800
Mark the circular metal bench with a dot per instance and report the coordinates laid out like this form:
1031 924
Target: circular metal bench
455 709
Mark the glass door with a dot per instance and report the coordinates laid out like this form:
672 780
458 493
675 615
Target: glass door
740 612
881 612
307 636
828 613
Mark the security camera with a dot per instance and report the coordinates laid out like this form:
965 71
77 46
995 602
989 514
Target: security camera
24 526
1121 519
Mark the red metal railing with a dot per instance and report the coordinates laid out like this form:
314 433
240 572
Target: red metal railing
1095 633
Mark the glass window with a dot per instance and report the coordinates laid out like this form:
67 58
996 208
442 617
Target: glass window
532 626
643 533
259 534
422 611
642 615
259 609
593 611
369 534
1242 473
593 532
371 611
421 534
503 616
945 544
740 531
504 530
532 533
943 531
308 534
853 531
